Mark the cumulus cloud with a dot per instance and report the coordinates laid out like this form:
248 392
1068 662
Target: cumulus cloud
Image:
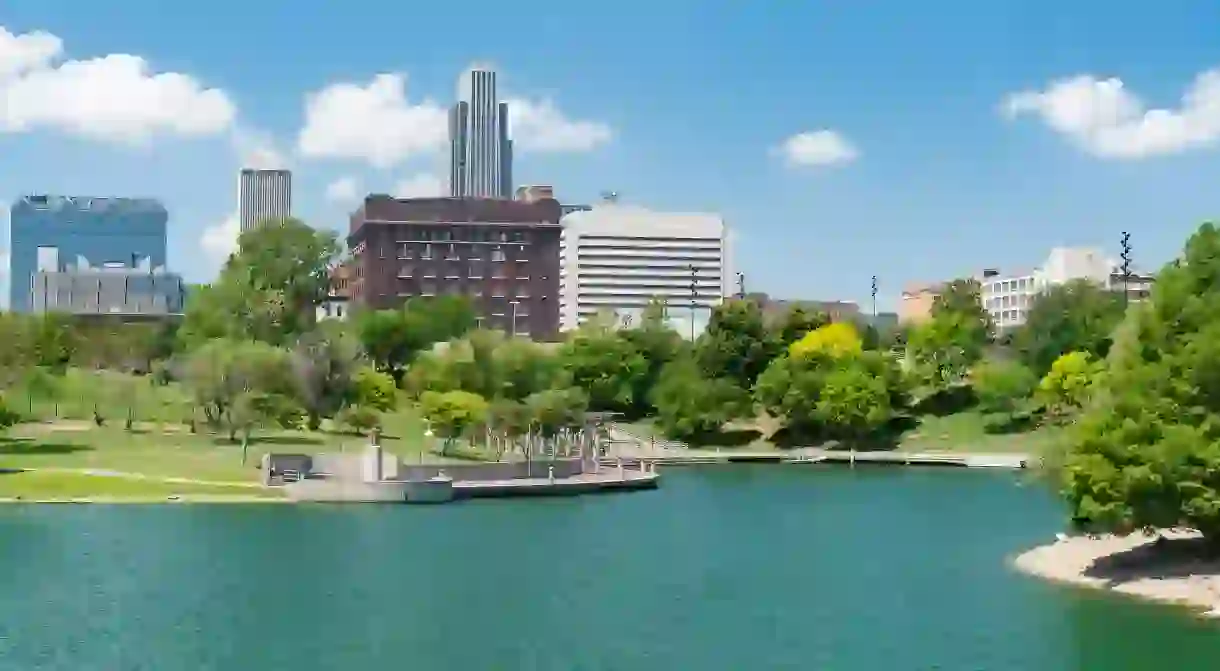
115 98
220 239
342 190
374 122
421 185
540 126
817 148
1104 118
257 150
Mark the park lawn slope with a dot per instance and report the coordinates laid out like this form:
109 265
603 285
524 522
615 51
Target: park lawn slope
958 433
64 485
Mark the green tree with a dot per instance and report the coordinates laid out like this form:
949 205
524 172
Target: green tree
797 322
736 345
690 406
325 361
1003 387
1079 316
373 390
658 344
268 290
853 404
1144 453
606 366
220 372
1067 386
453 415
555 410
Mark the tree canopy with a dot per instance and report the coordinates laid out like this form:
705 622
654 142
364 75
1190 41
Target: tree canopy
1078 316
1146 452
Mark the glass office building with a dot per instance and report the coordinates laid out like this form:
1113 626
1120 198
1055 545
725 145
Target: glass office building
62 234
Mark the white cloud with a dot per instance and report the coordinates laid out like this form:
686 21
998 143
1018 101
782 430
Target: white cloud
342 190
220 240
113 98
257 150
1103 117
377 123
541 127
21 53
374 122
421 185
817 148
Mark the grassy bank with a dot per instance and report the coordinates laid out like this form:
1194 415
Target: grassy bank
967 431
61 433
59 486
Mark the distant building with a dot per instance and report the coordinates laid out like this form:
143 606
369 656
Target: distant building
263 195
502 254
337 303
535 192
617 258
122 292
480 153
1009 297
915 305
56 235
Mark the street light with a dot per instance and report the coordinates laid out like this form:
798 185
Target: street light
1125 241
741 285
514 326
694 293
874 300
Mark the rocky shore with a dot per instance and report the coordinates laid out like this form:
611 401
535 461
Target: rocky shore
1170 568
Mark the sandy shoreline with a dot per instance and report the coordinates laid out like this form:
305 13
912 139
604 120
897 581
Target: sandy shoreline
198 498
1169 571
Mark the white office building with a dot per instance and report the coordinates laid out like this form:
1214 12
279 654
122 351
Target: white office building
615 258
1008 298
263 195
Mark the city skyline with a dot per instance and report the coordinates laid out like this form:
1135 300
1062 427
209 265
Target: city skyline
842 143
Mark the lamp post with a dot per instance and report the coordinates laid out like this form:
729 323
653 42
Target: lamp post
1125 242
694 294
513 330
874 300
741 286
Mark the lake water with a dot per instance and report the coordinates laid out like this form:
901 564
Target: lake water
735 568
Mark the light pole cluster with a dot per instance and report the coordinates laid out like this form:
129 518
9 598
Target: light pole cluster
741 286
874 294
1125 242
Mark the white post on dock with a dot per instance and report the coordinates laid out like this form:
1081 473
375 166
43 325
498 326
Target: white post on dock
852 457
622 473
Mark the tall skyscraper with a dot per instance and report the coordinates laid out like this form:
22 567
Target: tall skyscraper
263 195
480 153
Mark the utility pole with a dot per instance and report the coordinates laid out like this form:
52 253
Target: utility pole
741 286
1126 267
694 294
874 300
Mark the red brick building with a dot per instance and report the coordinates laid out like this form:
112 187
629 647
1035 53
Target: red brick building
503 254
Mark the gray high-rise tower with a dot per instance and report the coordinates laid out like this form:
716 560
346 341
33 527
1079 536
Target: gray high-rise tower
480 153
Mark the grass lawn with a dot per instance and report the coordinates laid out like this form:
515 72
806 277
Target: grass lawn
48 485
961 432
160 443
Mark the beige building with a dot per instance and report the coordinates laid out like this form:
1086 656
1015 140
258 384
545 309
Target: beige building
916 303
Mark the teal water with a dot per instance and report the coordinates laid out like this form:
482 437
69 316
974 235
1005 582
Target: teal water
736 568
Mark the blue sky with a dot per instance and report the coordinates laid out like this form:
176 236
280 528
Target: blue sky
941 137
